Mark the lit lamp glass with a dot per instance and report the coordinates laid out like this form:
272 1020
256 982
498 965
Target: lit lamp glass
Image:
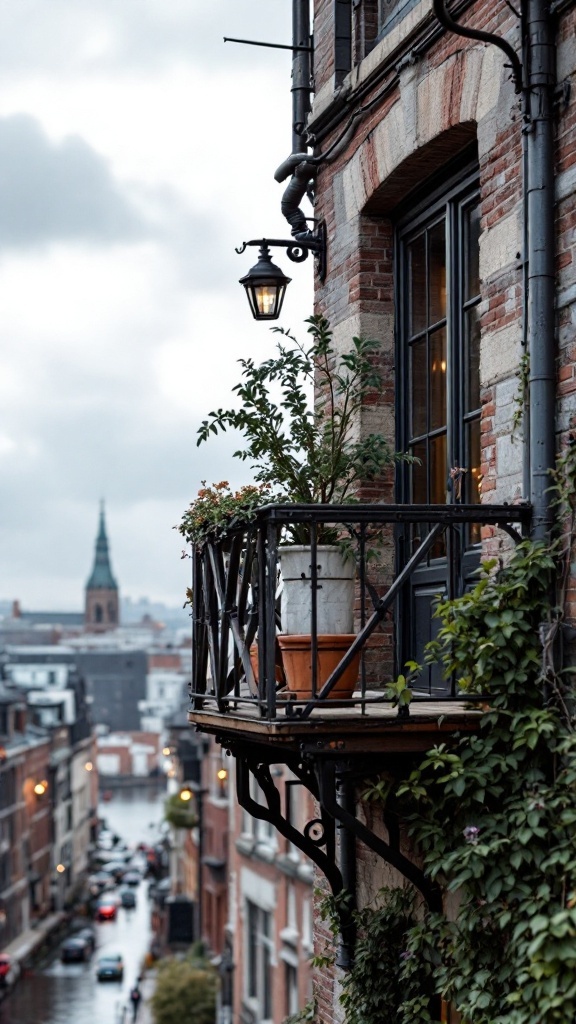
222 775
185 794
265 286
40 788
88 766
60 869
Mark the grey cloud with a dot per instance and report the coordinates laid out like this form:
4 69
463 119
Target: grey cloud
97 436
132 34
58 191
65 192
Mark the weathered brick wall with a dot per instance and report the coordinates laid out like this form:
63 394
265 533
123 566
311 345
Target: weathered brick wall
418 117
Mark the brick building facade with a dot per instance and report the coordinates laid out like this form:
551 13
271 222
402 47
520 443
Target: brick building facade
442 148
425 194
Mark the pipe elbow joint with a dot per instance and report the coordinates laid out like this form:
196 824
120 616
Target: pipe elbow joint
289 165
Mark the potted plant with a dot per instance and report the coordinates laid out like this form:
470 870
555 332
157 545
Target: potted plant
298 414
217 508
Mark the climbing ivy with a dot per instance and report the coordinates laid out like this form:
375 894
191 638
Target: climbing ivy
307 1013
493 814
521 397
386 984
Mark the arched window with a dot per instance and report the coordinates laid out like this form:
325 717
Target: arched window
438 387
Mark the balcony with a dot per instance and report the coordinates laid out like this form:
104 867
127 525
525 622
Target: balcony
399 557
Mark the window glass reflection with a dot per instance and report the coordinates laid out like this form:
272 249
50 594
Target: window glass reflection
418 396
437 272
472 241
438 470
438 379
472 381
417 285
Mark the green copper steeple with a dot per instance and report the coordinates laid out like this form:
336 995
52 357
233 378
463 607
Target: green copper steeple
101 577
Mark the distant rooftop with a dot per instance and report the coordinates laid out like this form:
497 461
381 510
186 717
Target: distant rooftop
52 618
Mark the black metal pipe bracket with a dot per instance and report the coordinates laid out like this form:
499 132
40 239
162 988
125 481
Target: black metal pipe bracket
448 22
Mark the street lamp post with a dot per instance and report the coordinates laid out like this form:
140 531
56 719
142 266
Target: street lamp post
199 791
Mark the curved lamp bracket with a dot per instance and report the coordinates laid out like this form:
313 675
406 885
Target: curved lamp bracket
298 248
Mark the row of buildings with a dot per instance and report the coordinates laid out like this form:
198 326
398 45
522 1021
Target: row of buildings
247 890
83 706
48 801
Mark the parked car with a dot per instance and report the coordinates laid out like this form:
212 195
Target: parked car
89 936
106 908
110 968
105 839
132 878
74 950
9 970
115 868
99 882
128 898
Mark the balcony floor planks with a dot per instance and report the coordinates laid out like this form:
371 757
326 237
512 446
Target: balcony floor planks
346 729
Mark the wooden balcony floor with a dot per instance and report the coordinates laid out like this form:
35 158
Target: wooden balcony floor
343 728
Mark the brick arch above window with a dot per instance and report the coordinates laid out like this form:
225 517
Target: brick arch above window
419 166
436 110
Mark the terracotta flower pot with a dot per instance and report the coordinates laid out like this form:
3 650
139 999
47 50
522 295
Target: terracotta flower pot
297 661
254 661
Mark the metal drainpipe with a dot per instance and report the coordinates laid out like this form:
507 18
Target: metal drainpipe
540 80
347 843
301 73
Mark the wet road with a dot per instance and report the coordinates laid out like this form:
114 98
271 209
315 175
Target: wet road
69 993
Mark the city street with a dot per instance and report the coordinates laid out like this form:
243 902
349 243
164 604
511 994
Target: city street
69 993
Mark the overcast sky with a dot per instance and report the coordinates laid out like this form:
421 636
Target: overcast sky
137 149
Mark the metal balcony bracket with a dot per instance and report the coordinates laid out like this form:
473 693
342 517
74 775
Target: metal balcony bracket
317 840
330 775
516 537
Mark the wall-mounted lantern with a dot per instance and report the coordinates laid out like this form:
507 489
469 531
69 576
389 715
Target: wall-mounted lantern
265 283
41 787
265 286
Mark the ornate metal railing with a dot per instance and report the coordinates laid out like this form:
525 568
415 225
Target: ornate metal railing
237 585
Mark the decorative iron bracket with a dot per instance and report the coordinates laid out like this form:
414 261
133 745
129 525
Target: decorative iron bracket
328 780
329 772
298 248
317 841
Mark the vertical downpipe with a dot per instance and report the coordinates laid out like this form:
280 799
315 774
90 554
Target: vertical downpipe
301 73
540 78
347 846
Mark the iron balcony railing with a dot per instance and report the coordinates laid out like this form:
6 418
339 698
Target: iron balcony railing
237 583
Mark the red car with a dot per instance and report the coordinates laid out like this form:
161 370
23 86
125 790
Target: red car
5 967
106 909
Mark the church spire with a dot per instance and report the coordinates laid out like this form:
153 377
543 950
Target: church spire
101 576
101 590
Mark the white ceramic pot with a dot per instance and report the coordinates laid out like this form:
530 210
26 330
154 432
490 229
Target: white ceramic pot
335 593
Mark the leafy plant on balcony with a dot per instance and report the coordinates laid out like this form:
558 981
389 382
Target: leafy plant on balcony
217 508
307 452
